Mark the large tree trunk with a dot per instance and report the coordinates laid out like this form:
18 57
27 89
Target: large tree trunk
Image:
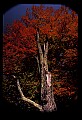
47 96
50 102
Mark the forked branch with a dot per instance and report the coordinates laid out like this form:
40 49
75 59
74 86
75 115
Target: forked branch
26 99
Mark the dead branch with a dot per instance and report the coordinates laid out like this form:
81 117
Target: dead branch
45 55
26 99
46 49
41 62
38 63
38 42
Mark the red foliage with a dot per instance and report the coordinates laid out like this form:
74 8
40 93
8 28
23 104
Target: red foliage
71 53
19 41
63 88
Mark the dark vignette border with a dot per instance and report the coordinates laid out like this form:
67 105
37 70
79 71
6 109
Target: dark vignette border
6 5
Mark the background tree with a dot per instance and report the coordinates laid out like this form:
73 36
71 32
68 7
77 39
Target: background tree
20 49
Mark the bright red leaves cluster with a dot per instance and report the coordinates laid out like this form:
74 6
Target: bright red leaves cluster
19 42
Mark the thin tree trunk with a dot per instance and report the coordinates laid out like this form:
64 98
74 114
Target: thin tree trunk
41 68
38 64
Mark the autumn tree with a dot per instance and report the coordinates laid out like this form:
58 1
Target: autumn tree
50 36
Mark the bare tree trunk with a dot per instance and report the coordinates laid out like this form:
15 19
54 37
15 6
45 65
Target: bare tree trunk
51 105
47 96
41 67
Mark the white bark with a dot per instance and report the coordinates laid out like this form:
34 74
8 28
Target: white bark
44 47
48 79
26 99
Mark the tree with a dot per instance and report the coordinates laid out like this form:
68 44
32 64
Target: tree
40 34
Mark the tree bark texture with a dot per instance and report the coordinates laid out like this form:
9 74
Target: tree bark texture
47 95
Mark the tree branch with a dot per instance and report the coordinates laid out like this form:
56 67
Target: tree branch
38 63
41 63
46 49
39 46
26 99
45 55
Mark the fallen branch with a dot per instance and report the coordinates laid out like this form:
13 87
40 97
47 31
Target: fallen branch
26 99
